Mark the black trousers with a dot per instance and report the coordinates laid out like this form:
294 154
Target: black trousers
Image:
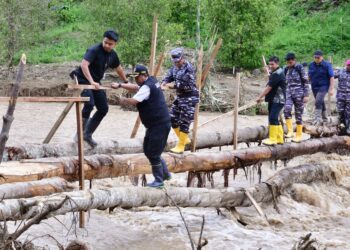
98 98
274 112
155 141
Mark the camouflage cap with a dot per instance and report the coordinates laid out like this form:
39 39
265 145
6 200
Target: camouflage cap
177 54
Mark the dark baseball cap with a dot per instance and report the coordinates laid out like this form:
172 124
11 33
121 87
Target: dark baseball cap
139 70
318 53
290 56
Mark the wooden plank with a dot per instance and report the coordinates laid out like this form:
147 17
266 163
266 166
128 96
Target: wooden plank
235 116
85 86
80 157
211 61
199 84
46 99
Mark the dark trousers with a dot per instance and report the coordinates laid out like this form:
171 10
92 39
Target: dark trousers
155 141
98 98
319 99
274 112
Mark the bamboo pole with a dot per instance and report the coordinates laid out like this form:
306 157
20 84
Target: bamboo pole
8 117
199 84
150 69
46 99
62 116
80 157
211 61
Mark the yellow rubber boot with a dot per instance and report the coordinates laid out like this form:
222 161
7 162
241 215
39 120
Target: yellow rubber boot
180 147
280 135
272 140
177 132
289 124
299 135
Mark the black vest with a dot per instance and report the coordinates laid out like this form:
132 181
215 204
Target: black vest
153 111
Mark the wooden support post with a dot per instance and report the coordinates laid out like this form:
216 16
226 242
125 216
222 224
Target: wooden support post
150 68
62 116
211 61
80 157
199 84
235 116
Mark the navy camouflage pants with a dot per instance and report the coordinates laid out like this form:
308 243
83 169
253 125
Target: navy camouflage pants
343 105
294 96
182 112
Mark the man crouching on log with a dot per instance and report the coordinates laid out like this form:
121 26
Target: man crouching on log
96 61
275 96
154 115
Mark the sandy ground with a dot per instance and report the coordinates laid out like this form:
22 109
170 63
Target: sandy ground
324 210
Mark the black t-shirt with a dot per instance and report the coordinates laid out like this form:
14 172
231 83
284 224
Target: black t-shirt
277 81
99 60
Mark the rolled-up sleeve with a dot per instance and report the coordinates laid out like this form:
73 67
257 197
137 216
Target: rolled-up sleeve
143 94
330 70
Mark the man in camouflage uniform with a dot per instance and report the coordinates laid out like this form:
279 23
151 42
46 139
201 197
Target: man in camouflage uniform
343 96
297 94
182 78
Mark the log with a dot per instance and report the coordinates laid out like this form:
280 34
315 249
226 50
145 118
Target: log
129 146
106 166
47 99
34 188
8 117
127 197
85 86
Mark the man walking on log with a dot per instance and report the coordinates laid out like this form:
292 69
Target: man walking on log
322 81
154 115
97 60
275 96
343 97
297 94
182 77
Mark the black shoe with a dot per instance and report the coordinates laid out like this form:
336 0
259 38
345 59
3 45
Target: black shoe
91 126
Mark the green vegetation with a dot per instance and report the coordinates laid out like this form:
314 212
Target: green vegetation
61 30
304 30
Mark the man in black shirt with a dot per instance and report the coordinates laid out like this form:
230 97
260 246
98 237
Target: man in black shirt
91 71
275 96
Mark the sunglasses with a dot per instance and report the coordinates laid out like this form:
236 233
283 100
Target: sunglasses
175 56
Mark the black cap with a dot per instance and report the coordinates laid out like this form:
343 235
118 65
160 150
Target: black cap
111 34
318 53
139 70
290 56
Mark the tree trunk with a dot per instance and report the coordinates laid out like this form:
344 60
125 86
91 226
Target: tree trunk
130 146
8 117
34 188
105 166
127 197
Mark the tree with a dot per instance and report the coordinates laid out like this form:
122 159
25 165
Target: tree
21 25
243 25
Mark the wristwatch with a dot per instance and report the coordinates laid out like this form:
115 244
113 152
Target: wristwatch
120 85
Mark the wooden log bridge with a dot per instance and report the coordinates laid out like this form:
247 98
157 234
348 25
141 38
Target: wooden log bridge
129 146
105 166
127 197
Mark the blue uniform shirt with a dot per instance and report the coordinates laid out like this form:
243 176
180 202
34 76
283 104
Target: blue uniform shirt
320 75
